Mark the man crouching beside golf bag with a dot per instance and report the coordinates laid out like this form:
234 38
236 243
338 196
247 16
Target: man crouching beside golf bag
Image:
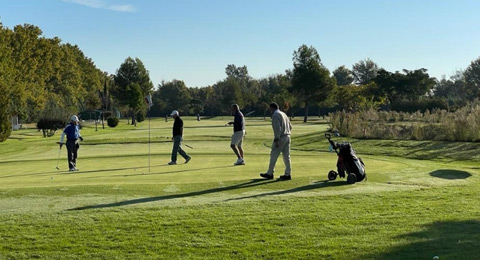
72 131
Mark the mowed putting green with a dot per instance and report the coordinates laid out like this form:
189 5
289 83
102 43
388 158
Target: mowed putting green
123 205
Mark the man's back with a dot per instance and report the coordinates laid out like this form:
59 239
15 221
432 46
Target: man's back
280 124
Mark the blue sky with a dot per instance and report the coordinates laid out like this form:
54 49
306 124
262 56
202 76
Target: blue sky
194 40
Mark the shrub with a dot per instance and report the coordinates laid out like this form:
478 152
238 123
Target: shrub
112 121
140 117
49 126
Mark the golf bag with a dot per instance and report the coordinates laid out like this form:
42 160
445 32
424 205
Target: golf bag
347 162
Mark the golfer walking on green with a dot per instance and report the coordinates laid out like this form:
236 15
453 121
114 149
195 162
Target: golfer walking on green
177 137
72 131
281 143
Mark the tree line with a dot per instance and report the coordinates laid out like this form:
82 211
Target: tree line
45 78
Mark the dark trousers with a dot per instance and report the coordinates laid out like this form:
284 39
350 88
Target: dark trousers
177 140
72 148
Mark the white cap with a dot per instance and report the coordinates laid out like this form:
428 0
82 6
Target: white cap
74 118
174 113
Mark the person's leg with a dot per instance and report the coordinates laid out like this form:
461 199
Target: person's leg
176 145
75 151
240 145
235 150
236 137
70 147
286 154
273 158
240 151
180 150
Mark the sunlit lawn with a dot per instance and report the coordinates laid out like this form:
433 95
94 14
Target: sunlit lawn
417 203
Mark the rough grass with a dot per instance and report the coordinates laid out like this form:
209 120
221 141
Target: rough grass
414 205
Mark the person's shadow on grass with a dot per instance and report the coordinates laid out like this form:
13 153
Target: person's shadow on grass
313 186
249 184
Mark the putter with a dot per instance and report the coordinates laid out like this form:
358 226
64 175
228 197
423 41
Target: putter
58 157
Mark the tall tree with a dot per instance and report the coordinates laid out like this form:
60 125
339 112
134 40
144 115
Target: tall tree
276 88
311 81
250 88
472 78
229 91
240 73
405 85
175 96
42 77
196 105
453 91
132 83
343 75
212 101
364 71
6 73
355 98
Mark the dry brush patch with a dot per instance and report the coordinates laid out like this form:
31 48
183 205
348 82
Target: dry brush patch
438 125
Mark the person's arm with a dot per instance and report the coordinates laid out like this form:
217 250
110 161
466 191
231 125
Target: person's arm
80 135
236 120
174 129
277 126
62 136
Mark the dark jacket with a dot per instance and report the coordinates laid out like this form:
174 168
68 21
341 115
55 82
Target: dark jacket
177 127
72 131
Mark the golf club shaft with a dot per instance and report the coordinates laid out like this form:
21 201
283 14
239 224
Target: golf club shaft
183 143
58 157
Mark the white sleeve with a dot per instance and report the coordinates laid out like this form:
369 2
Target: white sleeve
61 137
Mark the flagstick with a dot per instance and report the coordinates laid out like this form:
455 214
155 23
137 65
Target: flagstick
148 100
148 141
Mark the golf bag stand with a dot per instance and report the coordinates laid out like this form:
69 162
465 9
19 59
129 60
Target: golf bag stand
347 162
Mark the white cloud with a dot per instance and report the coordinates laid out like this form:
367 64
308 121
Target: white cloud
101 4
122 8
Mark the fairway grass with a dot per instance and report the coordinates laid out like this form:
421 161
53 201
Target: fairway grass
415 204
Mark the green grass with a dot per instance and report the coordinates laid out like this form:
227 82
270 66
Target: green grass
420 199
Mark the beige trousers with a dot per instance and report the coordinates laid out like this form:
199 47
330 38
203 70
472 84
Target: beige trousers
284 148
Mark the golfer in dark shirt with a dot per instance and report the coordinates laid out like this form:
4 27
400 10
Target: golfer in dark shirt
177 137
238 134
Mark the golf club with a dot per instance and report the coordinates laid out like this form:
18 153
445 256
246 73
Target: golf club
58 157
169 138
187 145
249 113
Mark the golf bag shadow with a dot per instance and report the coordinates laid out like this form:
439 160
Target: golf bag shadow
347 162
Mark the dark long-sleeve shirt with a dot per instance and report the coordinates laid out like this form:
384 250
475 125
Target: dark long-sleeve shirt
177 127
